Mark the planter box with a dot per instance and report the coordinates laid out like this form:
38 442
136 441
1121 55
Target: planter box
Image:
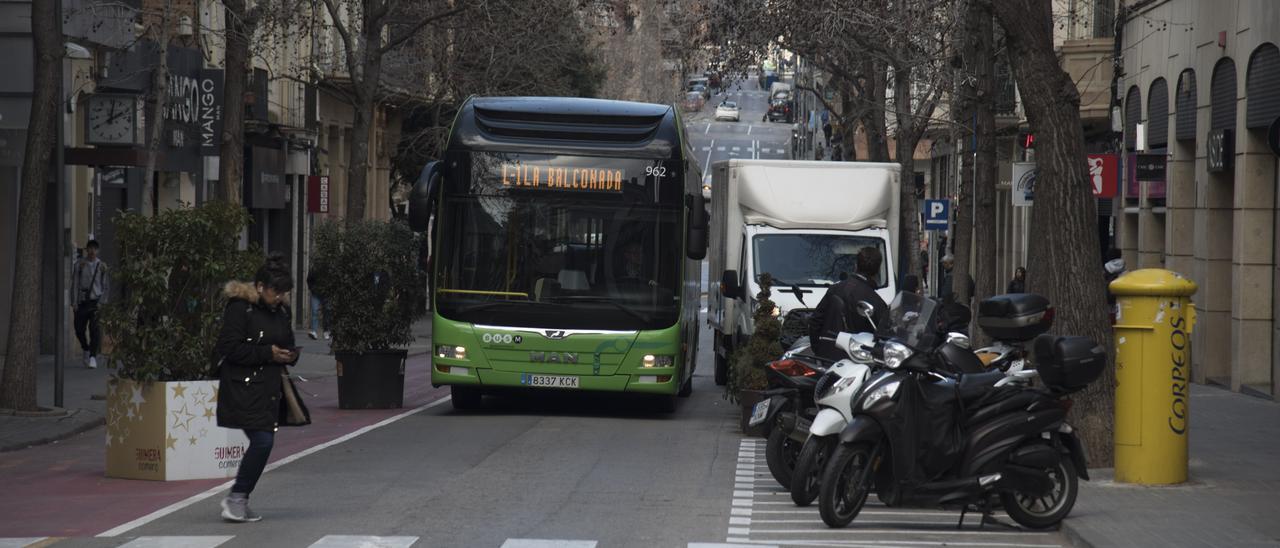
371 380
169 431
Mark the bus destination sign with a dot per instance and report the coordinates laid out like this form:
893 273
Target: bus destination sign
534 176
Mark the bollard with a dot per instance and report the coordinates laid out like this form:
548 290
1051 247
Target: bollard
1153 371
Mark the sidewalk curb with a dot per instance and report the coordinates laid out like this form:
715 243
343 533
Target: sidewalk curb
1074 537
79 429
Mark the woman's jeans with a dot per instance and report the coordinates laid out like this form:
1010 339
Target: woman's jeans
254 461
317 306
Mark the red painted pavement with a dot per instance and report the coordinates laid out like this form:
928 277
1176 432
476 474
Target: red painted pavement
60 490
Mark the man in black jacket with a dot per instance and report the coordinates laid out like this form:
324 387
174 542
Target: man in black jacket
838 310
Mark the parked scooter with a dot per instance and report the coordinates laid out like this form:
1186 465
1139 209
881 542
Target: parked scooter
833 394
924 436
788 407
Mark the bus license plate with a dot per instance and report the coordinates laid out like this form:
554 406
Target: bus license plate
759 412
549 381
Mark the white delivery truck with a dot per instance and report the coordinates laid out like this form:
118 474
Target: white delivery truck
802 222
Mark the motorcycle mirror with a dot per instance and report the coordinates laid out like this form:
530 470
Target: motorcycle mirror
867 310
959 339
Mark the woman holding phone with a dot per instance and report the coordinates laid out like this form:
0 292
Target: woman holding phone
254 390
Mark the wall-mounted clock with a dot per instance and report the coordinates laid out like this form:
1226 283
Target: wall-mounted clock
111 119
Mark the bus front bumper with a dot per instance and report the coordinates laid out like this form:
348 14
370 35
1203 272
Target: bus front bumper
664 381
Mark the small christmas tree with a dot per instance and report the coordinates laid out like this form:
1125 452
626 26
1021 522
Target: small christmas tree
746 370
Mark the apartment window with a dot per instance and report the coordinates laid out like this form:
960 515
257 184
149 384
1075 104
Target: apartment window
1104 19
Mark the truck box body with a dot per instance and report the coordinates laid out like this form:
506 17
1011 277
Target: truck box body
800 219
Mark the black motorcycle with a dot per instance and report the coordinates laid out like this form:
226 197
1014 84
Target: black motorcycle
788 407
923 435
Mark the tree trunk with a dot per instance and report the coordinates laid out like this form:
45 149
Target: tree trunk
909 218
157 100
231 165
18 381
366 91
874 121
1064 261
985 271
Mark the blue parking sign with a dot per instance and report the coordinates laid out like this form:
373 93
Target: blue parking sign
937 214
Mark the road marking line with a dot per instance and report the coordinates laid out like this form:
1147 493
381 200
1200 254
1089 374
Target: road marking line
735 149
742 486
120 529
742 494
547 543
177 542
948 531
740 512
704 132
363 541
880 543
707 166
749 129
746 466
739 521
718 149
21 542
739 530
742 502
724 545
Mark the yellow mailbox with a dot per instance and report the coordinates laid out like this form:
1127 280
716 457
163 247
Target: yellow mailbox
1154 318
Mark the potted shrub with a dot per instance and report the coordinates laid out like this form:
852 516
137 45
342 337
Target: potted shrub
162 394
747 380
368 272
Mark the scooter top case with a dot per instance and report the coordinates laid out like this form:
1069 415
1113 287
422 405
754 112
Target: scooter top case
1015 317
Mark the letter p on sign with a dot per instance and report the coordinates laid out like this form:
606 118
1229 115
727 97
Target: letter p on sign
936 214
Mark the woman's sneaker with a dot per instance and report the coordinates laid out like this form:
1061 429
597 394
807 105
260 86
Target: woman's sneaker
236 508
313 335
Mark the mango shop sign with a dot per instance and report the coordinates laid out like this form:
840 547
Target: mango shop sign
209 111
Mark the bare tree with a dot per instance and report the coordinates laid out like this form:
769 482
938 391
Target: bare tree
369 29
241 24
157 99
1064 214
18 381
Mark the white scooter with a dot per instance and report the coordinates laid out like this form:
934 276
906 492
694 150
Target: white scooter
833 395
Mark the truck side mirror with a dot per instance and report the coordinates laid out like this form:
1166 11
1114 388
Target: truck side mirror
696 242
422 198
729 284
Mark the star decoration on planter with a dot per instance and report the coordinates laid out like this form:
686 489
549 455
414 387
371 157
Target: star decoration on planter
170 441
192 440
204 432
209 413
137 398
182 418
201 395
179 390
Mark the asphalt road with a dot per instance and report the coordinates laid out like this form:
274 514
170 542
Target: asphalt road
750 137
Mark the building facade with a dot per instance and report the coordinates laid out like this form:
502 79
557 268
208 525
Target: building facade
1201 90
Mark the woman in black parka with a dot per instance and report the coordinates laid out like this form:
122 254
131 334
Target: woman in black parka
256 343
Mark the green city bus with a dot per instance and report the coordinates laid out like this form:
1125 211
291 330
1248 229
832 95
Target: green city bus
567 238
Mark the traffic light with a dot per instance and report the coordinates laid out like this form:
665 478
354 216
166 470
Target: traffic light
1026 139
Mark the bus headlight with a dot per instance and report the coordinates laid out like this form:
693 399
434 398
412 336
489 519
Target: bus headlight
451 352
651 360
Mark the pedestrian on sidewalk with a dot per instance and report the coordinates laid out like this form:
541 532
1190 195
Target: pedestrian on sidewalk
318 316
254 390
89 288
1019 282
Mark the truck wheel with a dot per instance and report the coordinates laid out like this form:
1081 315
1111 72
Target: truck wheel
465 398
722 370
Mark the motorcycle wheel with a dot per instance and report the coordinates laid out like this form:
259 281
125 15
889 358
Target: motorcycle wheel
813 458
846 481
1044 512
781 454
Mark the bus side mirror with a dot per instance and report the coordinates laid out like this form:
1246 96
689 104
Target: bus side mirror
696 243
423 196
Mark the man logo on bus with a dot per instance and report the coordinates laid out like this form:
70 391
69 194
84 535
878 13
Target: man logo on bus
555 334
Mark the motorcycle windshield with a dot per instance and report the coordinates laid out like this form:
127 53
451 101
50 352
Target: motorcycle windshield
912 321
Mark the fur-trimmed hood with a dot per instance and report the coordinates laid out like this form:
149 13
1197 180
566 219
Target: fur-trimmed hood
244 291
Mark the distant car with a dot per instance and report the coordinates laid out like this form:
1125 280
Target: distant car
693 101
780 111
702 89
727 110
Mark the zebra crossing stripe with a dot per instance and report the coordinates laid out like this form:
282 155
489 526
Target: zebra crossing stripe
363 541
176 542
547 543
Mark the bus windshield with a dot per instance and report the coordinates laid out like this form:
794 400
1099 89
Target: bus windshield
559 242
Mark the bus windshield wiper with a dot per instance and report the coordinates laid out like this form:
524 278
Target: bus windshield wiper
605 300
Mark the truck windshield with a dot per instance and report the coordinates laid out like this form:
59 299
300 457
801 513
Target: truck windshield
813 259
520 254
